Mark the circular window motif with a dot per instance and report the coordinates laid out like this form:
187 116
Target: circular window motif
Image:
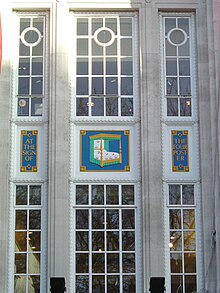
104 36
177 37
22 103
31 36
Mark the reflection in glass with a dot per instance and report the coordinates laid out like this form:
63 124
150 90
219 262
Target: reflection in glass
23 85
128 240
98 241
172 87
97 219
82 219
97 85
98 263
176 262
24 66
33 263
36 85
111 66
127 194
188 194
128 219
82 85
111 106
35 195
175 219
190 284
174 194
126 86
189 241
82 263
184 67
126 66
113 284
19 284
82 194
111 85
34 240
185 107
112 194
36 107
37 66
113 263
82 241
189 219
82 66
176 241
97 66
112 218
112 240
98 107
82 108
177 284
172 106
97 194
38 49
21 194
34 284
128 262
34 219
127 107
82 284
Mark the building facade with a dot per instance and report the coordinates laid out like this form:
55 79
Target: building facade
109 145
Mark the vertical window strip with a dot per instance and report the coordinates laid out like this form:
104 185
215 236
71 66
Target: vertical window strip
177 36
31 67
104 70
28 238
105 256
182 238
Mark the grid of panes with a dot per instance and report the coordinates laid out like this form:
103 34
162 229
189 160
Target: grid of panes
30 89
182 241
27 257
177 51
104 66
105 257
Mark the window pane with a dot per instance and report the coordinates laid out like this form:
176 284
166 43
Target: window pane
126 86
176 241
23 107
20 241
126 66
34 219
126 107
23 85
185 86
177 284
112 194
176 262
174 194
171 67
190 283
34 263
170 49
35 195
112 218
21 220
188 194
21 195
34 281
98 241
128 262
126 26
111 86
184 67
36 85
111 106
128 219
129 284
98 107
82 220
96 24
172 107
128 240
82 26
97 85
189 262
38 49
113 263
172 88
189 241
112 24
82 66
37 66
189 219
112 241
183 23
24 50
82 194
97 194
24 66
82 108
170 23
34 240
97 66
82 86
97 50
97 219
112 49
175 219
184 49
126 47
82 241
127 194
113 284
20 263
111 66
38 23
36 107
82 47
82 284
185 107
98 284
82 263
98 263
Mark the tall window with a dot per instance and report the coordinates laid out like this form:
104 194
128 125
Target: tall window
182 229
105 237
30 89
28 239
178 66
104 70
